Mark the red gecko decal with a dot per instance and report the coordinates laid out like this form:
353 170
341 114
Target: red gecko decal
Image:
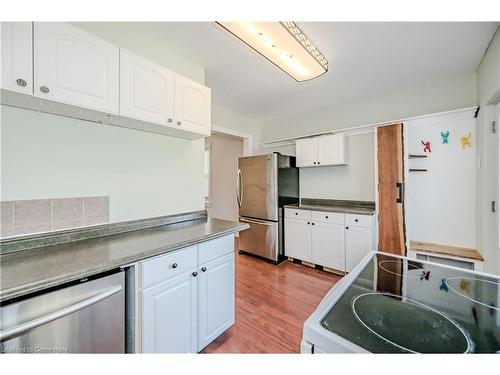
427 146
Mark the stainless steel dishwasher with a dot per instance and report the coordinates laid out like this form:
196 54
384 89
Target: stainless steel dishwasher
87 316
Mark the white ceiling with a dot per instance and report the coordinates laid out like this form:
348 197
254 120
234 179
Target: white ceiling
364 59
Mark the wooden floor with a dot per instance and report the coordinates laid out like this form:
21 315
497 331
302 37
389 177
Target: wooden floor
272 303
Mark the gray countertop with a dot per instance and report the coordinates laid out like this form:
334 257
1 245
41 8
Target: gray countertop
28 271
338 206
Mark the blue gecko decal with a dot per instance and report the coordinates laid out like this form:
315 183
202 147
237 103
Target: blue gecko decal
445 136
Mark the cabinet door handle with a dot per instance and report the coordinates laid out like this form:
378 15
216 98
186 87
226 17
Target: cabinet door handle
44 89
204 269
346 227
170 120
318 163
314 162
308 223
195 273
21 82
326 217
312 223
356 220
174 265
179 123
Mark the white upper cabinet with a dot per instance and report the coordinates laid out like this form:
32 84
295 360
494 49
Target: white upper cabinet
75 67
146 89
321 151
306 151
17 59
331 150
192 106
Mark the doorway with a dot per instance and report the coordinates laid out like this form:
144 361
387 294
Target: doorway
221 168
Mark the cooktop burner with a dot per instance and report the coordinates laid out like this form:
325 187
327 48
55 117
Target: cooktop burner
402 305
409 325
395 267
482 292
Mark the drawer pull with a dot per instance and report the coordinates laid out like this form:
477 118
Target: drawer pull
346 227
296 213
204 269
195 273
174 265
308 222
326 217
356 220
312 223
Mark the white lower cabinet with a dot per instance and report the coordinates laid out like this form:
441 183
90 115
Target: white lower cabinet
170 312
298 239
185 304
337 241
328 245
215 299
358 241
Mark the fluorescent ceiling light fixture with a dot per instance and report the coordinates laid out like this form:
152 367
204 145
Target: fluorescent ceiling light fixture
284 44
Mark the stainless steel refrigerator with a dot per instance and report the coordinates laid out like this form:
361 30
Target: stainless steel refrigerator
265 183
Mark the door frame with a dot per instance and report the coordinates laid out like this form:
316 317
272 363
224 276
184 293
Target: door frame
247 138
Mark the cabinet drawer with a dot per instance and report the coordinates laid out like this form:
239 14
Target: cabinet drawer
359 220
327 217
214 249
297 214
167 266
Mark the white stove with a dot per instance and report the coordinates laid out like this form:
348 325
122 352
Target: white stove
392 304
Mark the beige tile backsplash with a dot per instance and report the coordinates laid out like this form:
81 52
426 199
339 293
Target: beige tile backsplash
43 215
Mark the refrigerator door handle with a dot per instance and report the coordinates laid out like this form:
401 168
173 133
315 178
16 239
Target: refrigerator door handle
239 188
255 221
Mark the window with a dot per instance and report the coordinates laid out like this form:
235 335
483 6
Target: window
208 172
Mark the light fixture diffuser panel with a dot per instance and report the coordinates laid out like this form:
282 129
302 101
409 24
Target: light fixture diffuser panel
284 44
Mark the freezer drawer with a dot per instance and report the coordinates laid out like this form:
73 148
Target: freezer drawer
261 239
88 317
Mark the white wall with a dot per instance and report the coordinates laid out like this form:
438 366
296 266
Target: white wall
440 204
355 181
487 176
144 174
225 153
432 97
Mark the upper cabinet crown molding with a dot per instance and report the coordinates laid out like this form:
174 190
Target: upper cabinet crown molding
17 56
321 151
75 67
58 68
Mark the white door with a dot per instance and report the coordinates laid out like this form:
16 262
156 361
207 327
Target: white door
329 150
146 89
75 67
169 316
193 106
216 299
358 243
328 245
306 152
298 239
17 58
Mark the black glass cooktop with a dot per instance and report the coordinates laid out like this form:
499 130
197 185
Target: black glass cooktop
405 306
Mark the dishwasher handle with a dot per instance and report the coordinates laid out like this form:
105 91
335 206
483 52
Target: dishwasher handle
21 328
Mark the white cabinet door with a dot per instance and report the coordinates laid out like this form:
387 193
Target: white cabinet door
146 89
358 243
193 106
216 299
298 239
17 59
169 316
306 152
331 150
328 245
75 67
